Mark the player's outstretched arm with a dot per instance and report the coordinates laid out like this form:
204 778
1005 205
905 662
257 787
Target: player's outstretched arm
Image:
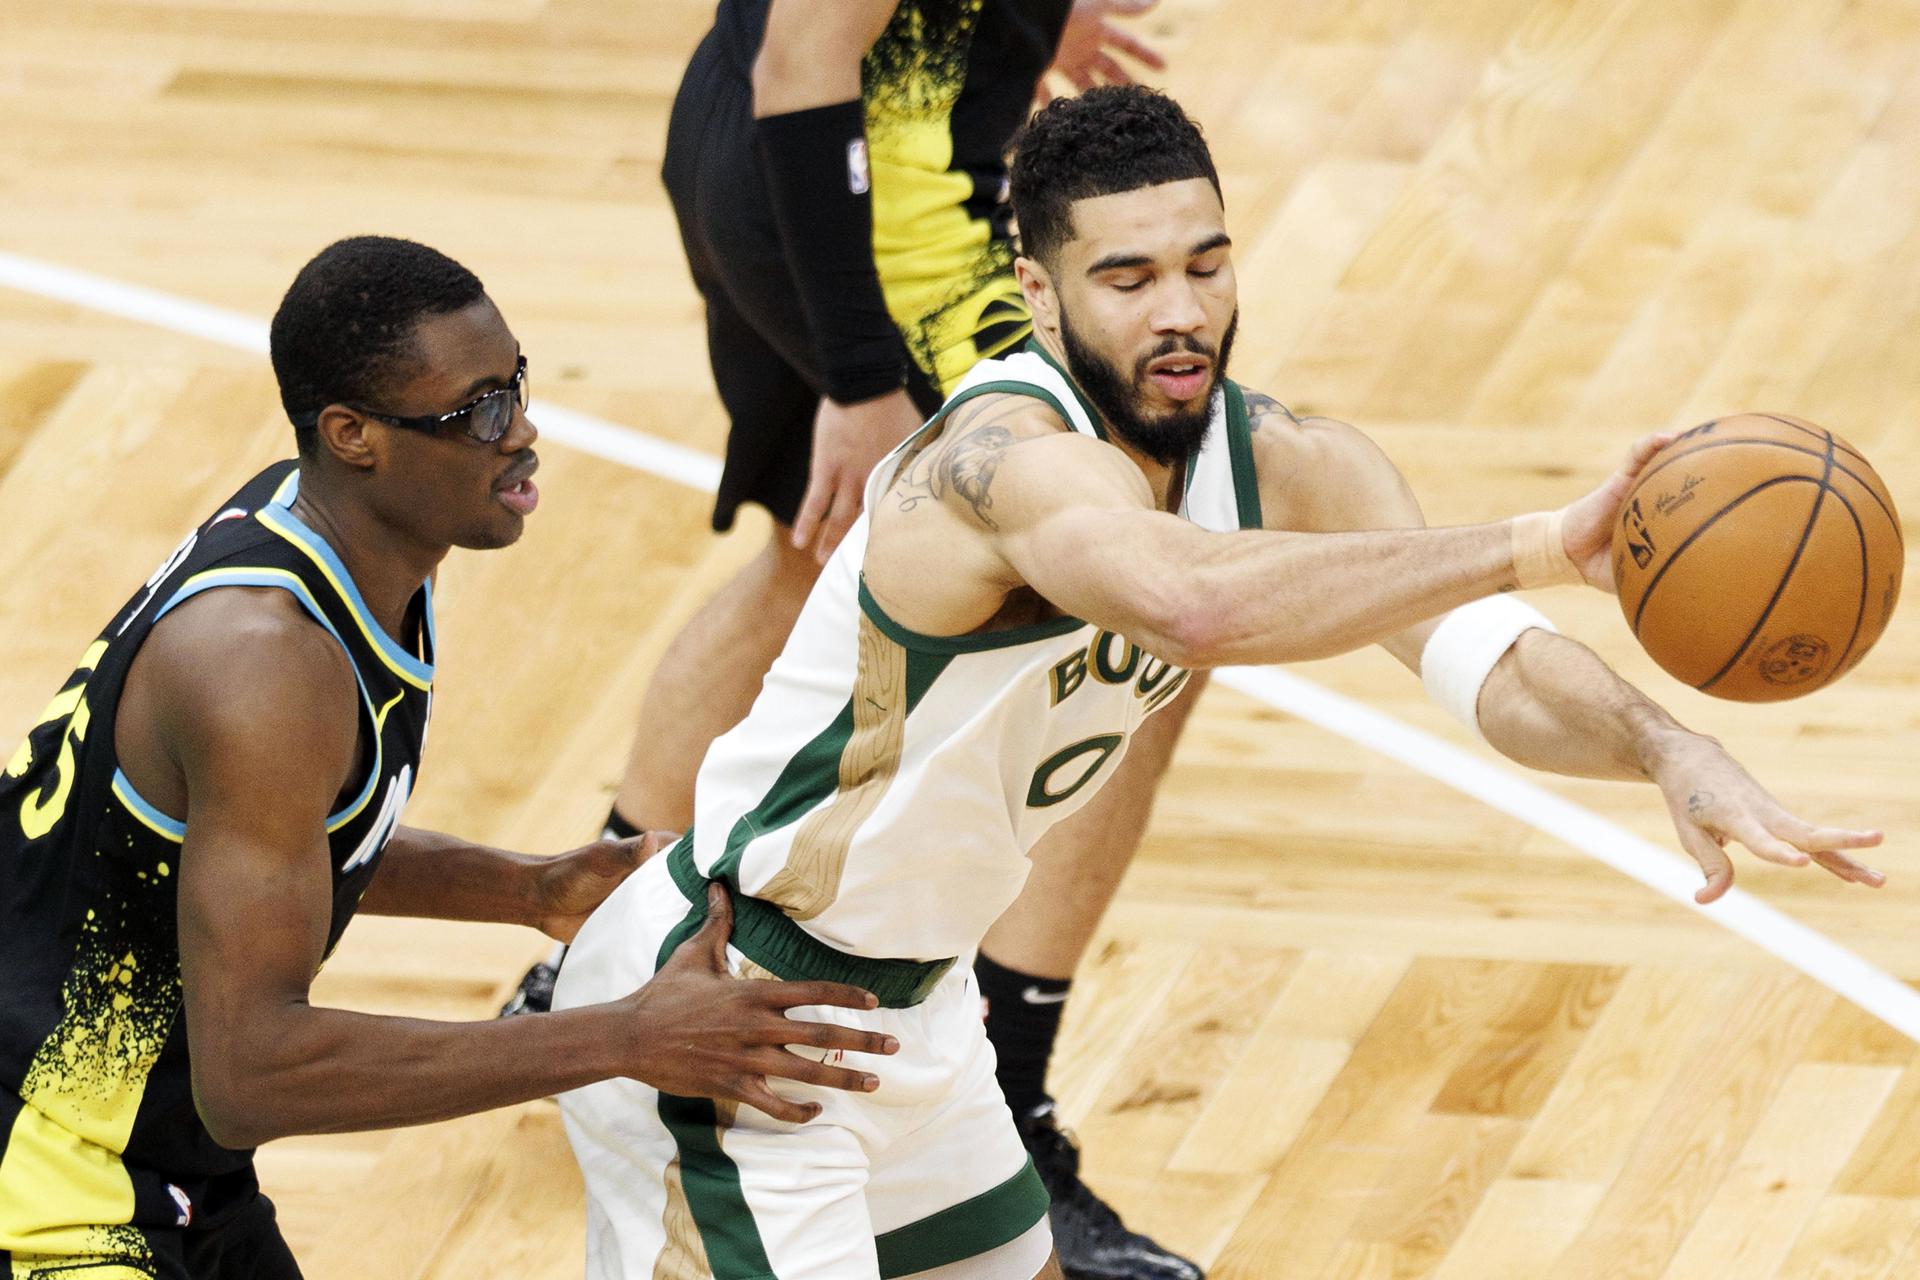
257 707
1073 519
1549 702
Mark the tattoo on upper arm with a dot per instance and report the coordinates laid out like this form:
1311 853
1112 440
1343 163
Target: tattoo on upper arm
1261 406
962 460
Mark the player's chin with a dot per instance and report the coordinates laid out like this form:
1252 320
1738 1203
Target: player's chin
499 529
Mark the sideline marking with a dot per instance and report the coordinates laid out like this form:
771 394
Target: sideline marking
1811 952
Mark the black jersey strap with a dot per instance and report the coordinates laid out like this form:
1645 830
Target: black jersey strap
816 166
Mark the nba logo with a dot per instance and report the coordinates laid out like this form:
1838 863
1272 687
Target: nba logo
184 1206
859 175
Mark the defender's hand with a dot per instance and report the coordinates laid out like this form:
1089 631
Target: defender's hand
848 439
1088 44
1587 525
700 1032
567 888
1714 800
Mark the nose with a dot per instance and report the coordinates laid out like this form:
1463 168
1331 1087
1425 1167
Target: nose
1177 307
520 434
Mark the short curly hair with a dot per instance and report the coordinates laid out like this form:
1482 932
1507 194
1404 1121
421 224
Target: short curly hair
346 326
1110 139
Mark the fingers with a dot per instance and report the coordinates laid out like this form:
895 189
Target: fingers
791 995
1850 870
652 842
827 1035
791 1066
847 502
813 509
1771 848
1713 860
1111 72
1134 47
1826 845
753 1092
1645 447
709 945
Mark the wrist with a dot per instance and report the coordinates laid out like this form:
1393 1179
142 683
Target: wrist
1656 741
1539 551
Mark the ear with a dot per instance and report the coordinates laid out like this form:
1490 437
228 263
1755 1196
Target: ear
343 433
1036 286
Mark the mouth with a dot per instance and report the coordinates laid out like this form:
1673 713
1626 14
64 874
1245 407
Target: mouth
516 490
1181 375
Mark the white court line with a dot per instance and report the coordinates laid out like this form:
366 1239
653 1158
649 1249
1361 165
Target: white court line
1805 949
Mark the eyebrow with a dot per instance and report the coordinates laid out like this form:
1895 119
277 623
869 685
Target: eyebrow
1123 261
490 382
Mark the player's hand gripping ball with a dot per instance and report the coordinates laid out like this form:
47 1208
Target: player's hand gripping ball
1758 557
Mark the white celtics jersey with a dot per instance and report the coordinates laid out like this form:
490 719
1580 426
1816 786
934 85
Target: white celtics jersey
886 787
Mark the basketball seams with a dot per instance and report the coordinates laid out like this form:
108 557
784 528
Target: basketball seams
1844 470
1860 612
1673 556
1780 587
1829 437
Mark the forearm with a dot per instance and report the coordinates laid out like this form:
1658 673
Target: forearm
309 1070
1551 704
810 129
1280 597
433 876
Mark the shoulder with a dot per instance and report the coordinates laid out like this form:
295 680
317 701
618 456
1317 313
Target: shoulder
1006 446
1319 473
249 664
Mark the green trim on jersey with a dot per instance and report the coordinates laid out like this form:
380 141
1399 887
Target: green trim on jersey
995 1217
1246 485
1010 387
813 772
973 642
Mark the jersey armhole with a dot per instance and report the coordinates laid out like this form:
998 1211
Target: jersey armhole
176 830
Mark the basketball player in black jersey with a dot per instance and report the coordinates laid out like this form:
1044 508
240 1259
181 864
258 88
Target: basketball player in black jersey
218 787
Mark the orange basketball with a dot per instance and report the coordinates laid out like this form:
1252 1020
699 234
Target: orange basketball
1758 557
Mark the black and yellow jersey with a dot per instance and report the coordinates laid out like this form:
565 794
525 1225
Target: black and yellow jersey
98 1132
944 89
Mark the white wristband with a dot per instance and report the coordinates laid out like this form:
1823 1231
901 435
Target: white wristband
1466 646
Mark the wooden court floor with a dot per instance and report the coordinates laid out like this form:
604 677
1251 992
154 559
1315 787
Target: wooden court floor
1344 1023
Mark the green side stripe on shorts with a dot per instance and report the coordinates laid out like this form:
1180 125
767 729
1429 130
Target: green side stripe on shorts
967 1229
707 1173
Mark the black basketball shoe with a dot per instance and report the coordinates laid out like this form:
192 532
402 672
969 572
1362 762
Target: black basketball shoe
1092 1242
536 991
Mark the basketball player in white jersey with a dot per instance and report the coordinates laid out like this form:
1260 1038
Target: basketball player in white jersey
1082 524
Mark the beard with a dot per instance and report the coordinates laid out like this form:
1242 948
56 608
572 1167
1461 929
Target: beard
1167 437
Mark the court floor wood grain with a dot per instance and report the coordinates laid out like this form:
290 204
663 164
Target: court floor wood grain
1343 1022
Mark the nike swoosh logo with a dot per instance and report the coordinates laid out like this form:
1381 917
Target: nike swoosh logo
1034 995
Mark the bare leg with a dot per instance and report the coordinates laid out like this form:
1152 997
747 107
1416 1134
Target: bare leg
1077 866
1051 1271
707 681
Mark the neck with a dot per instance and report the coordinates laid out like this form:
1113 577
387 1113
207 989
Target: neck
1166 480
385 564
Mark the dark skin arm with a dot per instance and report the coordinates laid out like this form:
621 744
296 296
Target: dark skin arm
427 875
250 707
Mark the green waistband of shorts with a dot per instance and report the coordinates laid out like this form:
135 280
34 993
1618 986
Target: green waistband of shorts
767 936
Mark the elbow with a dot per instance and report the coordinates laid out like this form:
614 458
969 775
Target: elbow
1191 627
235 1114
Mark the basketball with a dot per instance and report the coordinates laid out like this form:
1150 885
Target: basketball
1758 557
